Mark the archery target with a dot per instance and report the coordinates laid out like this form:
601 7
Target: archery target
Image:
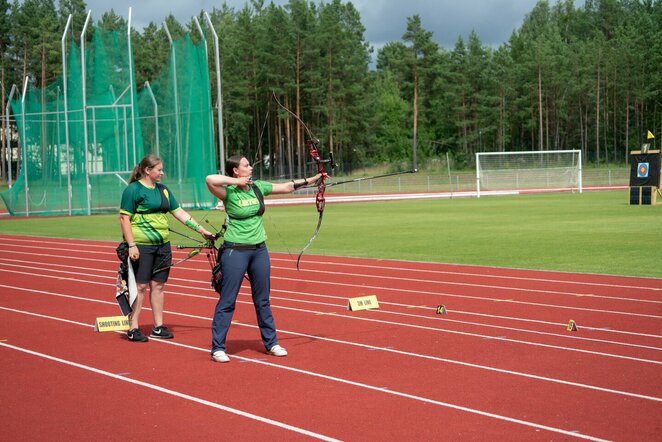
642 170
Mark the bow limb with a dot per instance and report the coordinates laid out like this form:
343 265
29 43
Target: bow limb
310 134
313 151
320 200
312 238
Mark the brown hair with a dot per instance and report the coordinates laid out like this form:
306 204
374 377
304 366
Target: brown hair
231 163
147 162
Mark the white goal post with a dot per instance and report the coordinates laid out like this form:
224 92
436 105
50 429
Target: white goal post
545 170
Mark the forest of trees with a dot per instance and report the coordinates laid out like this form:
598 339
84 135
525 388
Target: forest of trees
586 78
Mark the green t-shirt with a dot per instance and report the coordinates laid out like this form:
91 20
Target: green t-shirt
245 225
143 204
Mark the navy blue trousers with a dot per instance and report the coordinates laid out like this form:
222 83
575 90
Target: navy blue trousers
234 264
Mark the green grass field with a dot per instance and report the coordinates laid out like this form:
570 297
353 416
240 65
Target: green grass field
594 232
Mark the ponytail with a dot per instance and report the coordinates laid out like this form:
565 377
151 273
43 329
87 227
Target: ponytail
147 162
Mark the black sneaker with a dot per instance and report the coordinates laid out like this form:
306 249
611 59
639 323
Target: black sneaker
136 335
161 332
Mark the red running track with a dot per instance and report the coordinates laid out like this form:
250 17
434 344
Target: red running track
500 363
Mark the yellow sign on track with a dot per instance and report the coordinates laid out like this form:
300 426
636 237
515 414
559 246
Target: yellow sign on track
363 303
111 323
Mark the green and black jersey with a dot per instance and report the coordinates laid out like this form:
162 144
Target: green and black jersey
242 207
143 204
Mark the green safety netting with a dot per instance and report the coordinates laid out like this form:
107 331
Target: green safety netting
171 117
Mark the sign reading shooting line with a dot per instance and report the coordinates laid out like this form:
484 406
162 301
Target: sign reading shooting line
111 323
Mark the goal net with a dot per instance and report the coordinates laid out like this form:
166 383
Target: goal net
532 170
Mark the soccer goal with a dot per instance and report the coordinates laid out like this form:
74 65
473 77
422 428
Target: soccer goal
532 170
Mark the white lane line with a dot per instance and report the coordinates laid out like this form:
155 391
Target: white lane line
480 298
173 393
308 373
379 321
371 347
48 267
478 274
425 292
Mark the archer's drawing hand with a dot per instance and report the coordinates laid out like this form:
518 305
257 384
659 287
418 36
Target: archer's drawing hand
244 181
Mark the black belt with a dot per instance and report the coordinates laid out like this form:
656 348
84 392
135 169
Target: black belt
231 245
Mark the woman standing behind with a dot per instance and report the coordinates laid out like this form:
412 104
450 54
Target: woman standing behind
244 250
144 222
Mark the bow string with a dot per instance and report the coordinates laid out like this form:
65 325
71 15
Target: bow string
313 150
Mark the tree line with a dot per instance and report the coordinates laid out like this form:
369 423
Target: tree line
569 78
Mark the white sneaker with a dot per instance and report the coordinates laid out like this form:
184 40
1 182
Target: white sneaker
220 356
277 350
